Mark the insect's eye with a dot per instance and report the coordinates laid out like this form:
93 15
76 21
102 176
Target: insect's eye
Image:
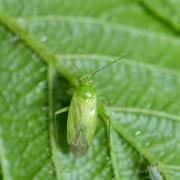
85 81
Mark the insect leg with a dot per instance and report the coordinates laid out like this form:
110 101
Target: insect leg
60 111
107 119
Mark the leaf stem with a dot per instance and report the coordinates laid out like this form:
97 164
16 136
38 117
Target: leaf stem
51 122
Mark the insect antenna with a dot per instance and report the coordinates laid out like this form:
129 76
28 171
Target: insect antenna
109 64
78 71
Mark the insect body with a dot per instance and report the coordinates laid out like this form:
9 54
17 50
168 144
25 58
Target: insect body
81 123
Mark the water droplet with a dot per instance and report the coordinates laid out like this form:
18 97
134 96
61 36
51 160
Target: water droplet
30 124
147 144
51 171
47 149
138 133
44 38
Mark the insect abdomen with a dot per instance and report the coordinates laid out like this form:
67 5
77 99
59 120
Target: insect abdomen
79 145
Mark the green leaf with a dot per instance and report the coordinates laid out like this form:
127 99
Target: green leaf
24 148
151 133
167 11
149 91
93 36
41 43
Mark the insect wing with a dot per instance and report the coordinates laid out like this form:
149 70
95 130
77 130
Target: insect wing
81 123
75 130
79 145
89 118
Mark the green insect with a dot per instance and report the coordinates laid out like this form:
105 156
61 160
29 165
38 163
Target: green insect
82 114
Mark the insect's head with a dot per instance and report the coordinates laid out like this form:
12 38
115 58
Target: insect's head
85 80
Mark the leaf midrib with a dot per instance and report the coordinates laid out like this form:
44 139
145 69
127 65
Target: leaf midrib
138 146
51 117
30 40
133 142
51 58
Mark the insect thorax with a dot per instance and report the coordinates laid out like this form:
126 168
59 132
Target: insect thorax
85 90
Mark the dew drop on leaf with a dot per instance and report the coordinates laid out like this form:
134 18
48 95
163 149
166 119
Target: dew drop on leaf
147 144
44 38
138 133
